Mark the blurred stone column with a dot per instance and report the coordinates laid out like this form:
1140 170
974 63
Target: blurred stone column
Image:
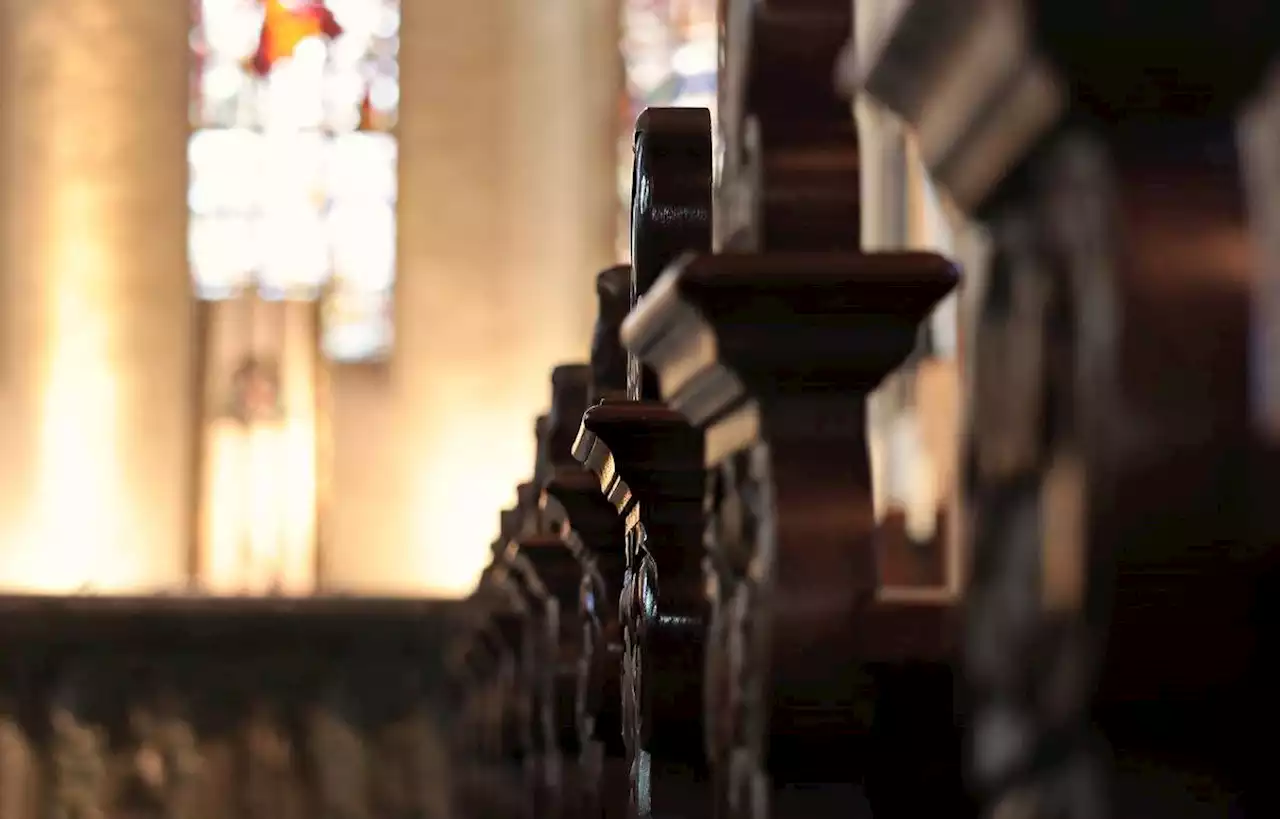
96 353
386 536
506 212
567 80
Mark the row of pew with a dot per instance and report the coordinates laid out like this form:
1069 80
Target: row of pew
696 608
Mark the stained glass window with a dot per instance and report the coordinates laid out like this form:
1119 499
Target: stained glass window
669 50
292 159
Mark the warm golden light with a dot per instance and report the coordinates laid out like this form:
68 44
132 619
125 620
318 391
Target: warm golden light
76 535
94 369
260 523
456 501
258 503
78 496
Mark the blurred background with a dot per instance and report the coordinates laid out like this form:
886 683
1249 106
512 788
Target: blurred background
281 280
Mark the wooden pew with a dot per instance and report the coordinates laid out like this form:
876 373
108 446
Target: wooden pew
1260 158
828 659
556 553
575 516
771 355
574 569
570 521
220 708
648 462
486 670
1115 626
547 573
516 605
594 533
825 667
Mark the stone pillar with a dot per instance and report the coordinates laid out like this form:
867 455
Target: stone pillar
96 353
506 214
567 82
408 533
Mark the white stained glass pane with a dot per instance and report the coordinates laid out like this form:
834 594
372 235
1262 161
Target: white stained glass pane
388 24
695 100
225 171
366 19
344 92
643 25
362 166
349 49
231 28
226 95
298 176
646 81
357 17
671 51
650 50
384 88
357 326
292 97
292 172
696 57
646 48
223 254
364 244
295 252
368 26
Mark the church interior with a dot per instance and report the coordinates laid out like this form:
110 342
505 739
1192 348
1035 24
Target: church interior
639 409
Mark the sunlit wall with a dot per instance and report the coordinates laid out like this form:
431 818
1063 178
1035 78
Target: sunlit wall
507 182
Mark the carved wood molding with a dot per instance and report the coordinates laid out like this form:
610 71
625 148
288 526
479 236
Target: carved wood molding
648 463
